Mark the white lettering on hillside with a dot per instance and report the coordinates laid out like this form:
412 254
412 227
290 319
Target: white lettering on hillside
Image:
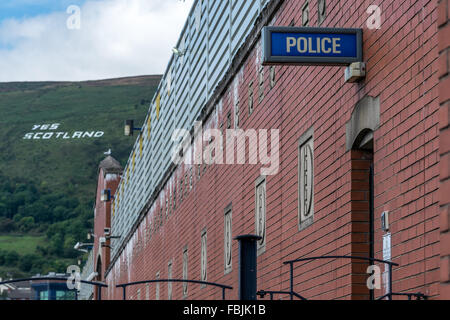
48 132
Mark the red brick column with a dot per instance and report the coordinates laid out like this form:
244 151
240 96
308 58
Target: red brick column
444 140
360 196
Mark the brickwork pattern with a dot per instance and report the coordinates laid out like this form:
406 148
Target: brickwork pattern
444 147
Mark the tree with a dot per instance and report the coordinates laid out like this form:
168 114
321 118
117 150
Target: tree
59 213
26 224
26 262
57 244
11 258
7 225
3 210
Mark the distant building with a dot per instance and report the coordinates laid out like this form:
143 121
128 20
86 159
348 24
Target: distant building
16 291
4 288
52 289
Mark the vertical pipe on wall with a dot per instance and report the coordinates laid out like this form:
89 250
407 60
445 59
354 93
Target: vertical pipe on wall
247 266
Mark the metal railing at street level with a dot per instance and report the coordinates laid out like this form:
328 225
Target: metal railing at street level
125 285
390 294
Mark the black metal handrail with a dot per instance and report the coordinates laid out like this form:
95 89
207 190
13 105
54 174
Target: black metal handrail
262 294
293 294
125 285
417 295
99 285
292 262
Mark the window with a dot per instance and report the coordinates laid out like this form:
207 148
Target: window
43 295
167 208
236 115
322 9
236 104
228 238
181 190
260 213
305 14
250 98
186 183
62 295
174 201
306 180
272 77
261 84
148 231
169 284
204 258
157 287
169 81
185 272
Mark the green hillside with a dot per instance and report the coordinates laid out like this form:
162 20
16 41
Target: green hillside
47 182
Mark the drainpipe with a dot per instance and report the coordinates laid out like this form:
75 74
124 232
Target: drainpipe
247 266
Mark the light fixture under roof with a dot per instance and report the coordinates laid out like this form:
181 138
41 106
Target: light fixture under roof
178 52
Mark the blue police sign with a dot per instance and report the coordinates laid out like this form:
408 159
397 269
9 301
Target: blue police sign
311 46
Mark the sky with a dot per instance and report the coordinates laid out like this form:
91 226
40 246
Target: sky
77 40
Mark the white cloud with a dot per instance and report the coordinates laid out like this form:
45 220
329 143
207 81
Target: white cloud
117 38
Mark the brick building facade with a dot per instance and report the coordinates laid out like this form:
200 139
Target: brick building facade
347 153
444 143
109 172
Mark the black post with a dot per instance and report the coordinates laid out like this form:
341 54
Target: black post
390 282
291 280
371 223
247 266
99 293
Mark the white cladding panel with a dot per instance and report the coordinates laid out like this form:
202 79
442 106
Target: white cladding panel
213 32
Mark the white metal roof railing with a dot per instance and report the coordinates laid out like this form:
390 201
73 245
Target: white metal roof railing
210 45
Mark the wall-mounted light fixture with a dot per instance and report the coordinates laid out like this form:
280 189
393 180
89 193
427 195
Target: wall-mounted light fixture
90 235
79 246
103 244
107 232
178 52
129 128
106 195
112 237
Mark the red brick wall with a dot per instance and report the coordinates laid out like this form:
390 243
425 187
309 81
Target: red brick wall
402 63
360 220
103 220
444 99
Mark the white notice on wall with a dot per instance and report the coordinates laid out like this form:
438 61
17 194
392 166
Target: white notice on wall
387 257
387 246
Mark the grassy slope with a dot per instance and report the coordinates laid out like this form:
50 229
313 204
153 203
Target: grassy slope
89 106
21 244
66 165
